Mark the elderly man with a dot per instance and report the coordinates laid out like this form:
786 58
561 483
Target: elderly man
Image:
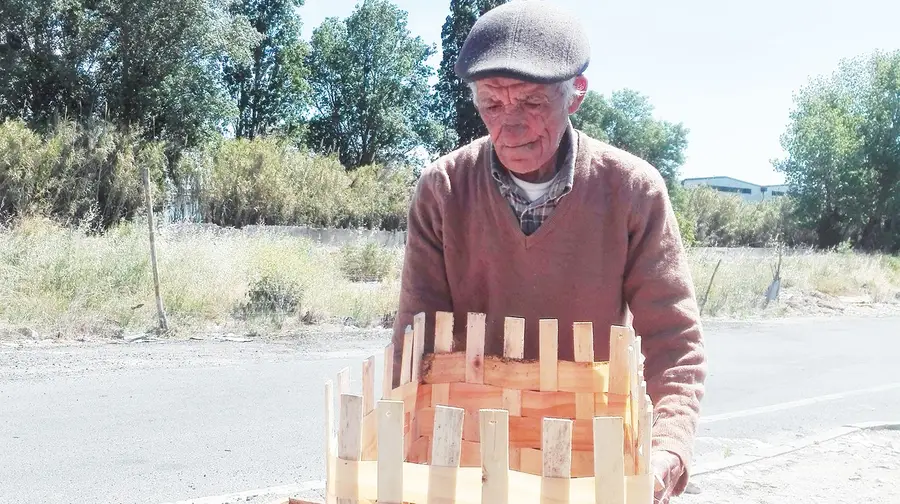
537 220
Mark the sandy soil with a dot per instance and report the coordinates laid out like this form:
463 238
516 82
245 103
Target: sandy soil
863 467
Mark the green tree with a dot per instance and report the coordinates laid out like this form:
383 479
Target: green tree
370 89
454 106
843 153
270 92
626 121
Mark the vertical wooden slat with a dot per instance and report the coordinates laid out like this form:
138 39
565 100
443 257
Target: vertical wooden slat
350 440
446 450
475 348
390 452
583 333
443 332
387 384
494 434
549 354
556 451
513 348
443 343
609 461
645 436
368 385
343 381
406 364
329 439
620 340
418 347
514 338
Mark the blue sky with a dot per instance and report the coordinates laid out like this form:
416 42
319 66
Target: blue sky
727 70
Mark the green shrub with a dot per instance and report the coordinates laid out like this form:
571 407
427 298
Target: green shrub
269 181
366 263
85 175
273 296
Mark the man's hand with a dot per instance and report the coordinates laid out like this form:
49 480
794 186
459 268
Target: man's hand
667 469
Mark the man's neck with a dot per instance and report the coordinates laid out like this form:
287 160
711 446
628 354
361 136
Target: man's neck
543 174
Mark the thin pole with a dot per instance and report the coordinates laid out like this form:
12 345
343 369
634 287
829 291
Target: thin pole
163 322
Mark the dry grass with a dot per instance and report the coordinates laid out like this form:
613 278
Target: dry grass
55 280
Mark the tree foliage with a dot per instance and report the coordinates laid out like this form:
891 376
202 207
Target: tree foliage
369 79
626 121
270 91
455 107
843 153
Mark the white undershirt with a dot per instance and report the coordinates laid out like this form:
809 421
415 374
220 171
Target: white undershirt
532 190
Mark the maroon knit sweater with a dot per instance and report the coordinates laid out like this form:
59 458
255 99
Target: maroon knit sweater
612 242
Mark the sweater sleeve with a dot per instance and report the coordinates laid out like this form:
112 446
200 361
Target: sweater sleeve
659 291
423 283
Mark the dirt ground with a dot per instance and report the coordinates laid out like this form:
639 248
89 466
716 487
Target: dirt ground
863 467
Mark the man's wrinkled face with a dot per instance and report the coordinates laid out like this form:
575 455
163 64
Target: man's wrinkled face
525 120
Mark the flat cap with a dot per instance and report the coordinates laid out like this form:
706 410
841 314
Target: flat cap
530 40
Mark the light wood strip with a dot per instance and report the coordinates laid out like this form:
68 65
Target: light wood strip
620 340
330 449
549 354
447 438
387 383
520 375
418 347
645 438
475 348
368 385
344 381
350 437
446 453
390 456
609 461
583 333
514 338
406 364
494 433
556 445
556 448
521 488
443 332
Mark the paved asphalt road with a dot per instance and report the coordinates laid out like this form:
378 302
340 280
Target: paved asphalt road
162 422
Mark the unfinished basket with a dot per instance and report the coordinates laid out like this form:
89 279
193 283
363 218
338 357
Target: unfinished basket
467 428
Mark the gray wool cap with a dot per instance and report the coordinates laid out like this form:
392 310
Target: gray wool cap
531 40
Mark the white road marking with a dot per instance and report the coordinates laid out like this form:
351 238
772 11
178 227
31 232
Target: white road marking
241 496
796 404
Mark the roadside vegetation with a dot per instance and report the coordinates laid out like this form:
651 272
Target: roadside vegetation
66 282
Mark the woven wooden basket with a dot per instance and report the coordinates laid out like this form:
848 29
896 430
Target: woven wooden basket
555 430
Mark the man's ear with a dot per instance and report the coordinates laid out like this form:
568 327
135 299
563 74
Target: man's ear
581 84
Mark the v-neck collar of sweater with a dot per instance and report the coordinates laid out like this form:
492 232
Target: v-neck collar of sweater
573 162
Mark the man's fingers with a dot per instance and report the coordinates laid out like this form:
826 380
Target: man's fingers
660 484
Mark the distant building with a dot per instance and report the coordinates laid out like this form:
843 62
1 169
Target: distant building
747 190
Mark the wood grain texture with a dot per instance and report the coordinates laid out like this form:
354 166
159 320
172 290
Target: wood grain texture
620 340
494 432
583 333
418 347
406 364
514 338
390 455
443 332
609 460
349 439
368 385
549 354
475 328
387 382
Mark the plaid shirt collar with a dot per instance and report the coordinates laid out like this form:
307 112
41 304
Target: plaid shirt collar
531 214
